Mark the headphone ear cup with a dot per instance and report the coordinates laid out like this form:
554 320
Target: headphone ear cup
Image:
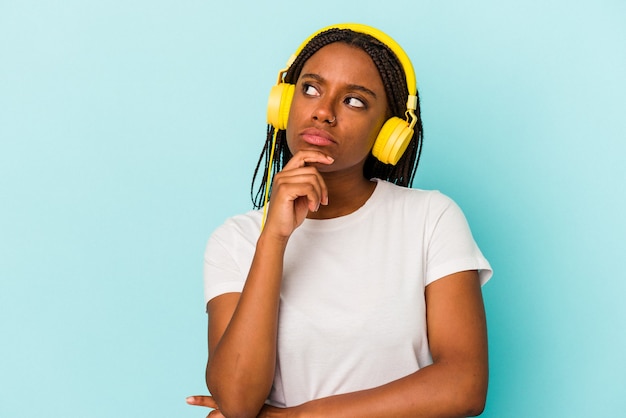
278 105
392 141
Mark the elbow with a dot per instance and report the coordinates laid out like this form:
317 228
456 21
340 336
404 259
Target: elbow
474 401
469 394
475 407
466 404
231 408
237 411
234 405
233 402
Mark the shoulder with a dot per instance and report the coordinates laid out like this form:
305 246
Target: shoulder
245 227
413 198
228 254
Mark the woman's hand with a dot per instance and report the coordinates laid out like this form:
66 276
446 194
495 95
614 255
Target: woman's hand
296 190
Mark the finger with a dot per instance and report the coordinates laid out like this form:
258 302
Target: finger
298 164
309 184
202 400
302 158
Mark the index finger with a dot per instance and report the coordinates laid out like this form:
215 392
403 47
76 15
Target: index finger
301 158
202 400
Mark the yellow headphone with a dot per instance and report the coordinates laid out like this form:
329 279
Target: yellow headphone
395 135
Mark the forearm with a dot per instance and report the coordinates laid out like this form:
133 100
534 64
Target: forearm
455 385
439 390
241 367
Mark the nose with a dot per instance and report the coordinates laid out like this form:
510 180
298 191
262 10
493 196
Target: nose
325 112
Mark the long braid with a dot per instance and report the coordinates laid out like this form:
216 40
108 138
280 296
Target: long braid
394 81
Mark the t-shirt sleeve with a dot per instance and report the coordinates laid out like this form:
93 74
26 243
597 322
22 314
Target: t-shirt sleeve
228 256
451 247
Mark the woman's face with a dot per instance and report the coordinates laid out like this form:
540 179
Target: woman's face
339 106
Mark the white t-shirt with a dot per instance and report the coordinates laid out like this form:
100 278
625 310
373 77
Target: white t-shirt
352 308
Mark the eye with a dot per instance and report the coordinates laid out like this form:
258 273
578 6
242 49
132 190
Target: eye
354 102
309 90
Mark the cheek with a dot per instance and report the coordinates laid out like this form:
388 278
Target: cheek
374 131
289 140
291 127
294 119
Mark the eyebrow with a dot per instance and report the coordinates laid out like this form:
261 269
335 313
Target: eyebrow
357 87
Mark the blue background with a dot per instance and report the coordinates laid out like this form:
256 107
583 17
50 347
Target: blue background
129 131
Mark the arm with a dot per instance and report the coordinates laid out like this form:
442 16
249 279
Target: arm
242 337
455 385
243 327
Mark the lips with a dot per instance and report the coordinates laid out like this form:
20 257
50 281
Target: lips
317 137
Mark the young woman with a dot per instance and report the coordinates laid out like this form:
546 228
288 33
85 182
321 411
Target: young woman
349 294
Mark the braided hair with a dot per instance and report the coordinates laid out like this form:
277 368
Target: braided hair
394 81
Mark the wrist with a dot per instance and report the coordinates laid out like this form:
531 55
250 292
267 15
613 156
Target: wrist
270 239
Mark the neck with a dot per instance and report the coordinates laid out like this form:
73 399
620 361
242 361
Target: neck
344 197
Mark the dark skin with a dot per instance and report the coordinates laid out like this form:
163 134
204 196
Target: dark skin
337 111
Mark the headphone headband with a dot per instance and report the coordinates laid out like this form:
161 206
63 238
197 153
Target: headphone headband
402 56
407 66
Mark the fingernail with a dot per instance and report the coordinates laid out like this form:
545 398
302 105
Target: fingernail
329 158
